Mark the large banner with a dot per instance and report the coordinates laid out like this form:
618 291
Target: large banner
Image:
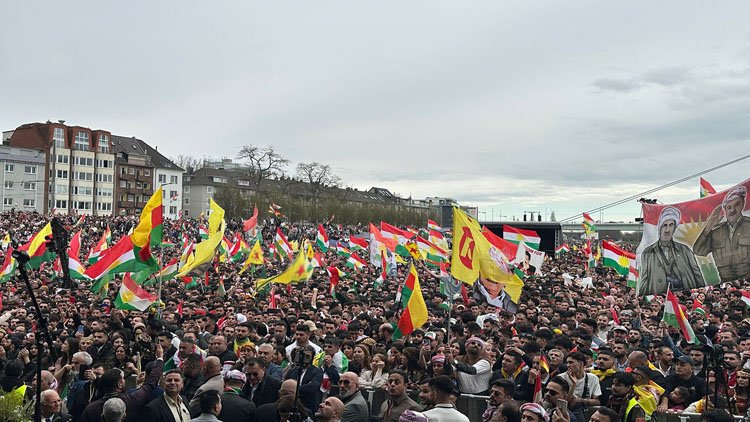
696 243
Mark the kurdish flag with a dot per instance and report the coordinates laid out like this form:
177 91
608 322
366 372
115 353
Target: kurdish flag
120 258
100 247
436 238
383 271
562 248
529 237
334 274
37 248
698 308
75 245
354 261
358 244
77 270
132 296
432 225
5 242
633 276
343 250
281 245
706 188
203 232
251 223
617 258
588 224
297 271
675 317
321 240
400 237
415 310
170 271
9 265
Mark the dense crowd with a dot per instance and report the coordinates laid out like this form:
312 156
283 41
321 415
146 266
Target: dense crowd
571 352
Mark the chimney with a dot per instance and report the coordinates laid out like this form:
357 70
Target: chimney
62 122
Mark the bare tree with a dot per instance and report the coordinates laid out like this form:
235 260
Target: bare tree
318 176
264 162
187 161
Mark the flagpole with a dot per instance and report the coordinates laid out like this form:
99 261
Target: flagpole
161 277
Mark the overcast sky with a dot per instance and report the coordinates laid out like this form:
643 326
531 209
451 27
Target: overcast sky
511 106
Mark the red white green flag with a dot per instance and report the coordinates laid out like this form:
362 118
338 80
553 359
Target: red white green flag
354 261
616 257
9 266
100 246
132 296
706 188
529 237
281 246
432 225
399 237
675 317
321 240
358 244
588 224
120 258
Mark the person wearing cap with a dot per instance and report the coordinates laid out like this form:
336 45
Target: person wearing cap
533 412
440 394
668 263
683 377
727 240
235 407
473 370
168 407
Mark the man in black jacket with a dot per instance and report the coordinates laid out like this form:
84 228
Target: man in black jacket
218 347
164 407
112 384
312 377
234 407
260 388
101 350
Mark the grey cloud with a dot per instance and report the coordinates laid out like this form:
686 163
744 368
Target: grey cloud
623 85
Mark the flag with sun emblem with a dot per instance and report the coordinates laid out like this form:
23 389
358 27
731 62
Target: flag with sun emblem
617 258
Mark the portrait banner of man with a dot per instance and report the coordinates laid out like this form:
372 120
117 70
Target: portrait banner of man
696 243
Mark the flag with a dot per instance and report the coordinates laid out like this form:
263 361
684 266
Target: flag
251 223
588 224
255 257
342 250
132 296
321 240
415 311
562 248
37 248
358 244
238 249
632 277
77 270
297 271
432 225
75 245
120 258
203 232
529 237
205 250
508 249
467 243
187 254
706 188
400 237
9 265
617 258
437 238
615 317
281 245
275 210
426 247
698 308
6 242
674 317
148 233
590 260
383 271
538 388
413 249
169 271
354 261
334 274
745 297
100 246
101 286
80 221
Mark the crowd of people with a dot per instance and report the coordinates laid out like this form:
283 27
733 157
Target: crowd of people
219 350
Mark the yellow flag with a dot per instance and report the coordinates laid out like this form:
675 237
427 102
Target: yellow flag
254 258
205 250
468 245
297 271
413 250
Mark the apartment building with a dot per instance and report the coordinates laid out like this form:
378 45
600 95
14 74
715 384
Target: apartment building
79 164
22 188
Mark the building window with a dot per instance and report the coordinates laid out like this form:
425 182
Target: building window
147 172
7 201
82 141
186 189
59 137
104 192
145 185
10 168
243 182
220 179
63 159
131 171
30 169
172 210
61 203
173 179
29 185
107 178
8 185
104 144
62 174
123 184
162 178
138 185
61 189
104 164
29 202
83 161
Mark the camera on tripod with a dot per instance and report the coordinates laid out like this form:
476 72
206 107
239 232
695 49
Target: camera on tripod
302 357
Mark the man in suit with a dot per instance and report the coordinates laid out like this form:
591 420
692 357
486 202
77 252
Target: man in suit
261 388
310 378
210 407
265 353
269 411
356 408
51 407
234 407
214 382
169 407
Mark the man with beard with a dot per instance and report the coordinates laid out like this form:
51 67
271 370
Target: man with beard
397 401
193 375
473 371
261 388
665 356
425 399
620 351
512 369
356 408
218 347
241 333
330 410
605 371
101 350
636 339
683 377
265 354
557 388
501 390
